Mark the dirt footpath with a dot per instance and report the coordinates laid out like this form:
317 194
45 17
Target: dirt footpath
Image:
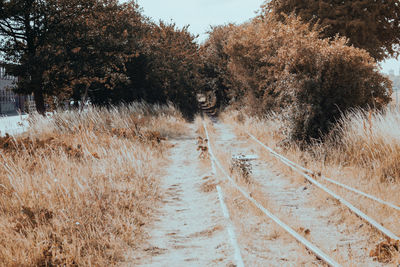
190 229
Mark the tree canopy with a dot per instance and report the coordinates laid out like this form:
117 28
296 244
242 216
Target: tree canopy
63 47
99 49
217 77
369 24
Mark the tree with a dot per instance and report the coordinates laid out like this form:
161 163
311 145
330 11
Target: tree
65 48
217 77
285 67
90 59
24 26
165 69
369 24
172 67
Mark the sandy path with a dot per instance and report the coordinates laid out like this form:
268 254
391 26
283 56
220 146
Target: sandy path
190 229
13 124
330 226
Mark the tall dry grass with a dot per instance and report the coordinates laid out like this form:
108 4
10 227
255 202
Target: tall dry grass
370 141
77 188
364 140
362 152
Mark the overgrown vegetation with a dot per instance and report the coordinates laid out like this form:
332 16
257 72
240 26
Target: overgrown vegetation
77 188
362 152
66 50
98 50
283 66
370 25
364 142
369 141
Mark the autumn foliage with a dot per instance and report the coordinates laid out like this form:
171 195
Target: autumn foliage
370 25
284 66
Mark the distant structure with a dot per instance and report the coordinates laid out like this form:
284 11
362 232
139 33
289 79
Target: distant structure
396 79
396 87
9 101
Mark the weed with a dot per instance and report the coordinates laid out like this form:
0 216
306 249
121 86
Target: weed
385 251
242 167
202 147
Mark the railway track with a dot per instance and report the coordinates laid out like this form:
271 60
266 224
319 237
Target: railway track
298 167
209 110
308 174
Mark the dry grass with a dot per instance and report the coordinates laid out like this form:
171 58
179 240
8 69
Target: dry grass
371 141
76 188
339 217
364 153
264 240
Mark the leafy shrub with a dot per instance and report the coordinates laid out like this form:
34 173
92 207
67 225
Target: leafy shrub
284 66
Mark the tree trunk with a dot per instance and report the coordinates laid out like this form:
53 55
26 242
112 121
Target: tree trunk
39 101
84 98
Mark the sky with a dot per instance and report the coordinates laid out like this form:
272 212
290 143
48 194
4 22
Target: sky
201 14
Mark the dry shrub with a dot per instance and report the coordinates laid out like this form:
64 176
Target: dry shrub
241 168
202 147
209 184
59 209
285 67
386 251
12 147
327 79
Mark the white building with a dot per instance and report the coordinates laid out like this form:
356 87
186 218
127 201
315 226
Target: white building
9 101
395 79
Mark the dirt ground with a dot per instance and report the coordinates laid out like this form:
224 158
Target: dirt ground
191 230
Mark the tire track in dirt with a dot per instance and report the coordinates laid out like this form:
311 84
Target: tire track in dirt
190 227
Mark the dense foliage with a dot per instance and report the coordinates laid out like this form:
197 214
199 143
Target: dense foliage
173 66
284 66
100 50
368 24
215 73
109 53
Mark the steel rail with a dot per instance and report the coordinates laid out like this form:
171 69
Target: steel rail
383 202
231 230
299 170
318 252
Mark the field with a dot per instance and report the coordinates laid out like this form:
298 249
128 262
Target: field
139 185
77 188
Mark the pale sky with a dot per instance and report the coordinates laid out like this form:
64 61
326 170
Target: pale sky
200 14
